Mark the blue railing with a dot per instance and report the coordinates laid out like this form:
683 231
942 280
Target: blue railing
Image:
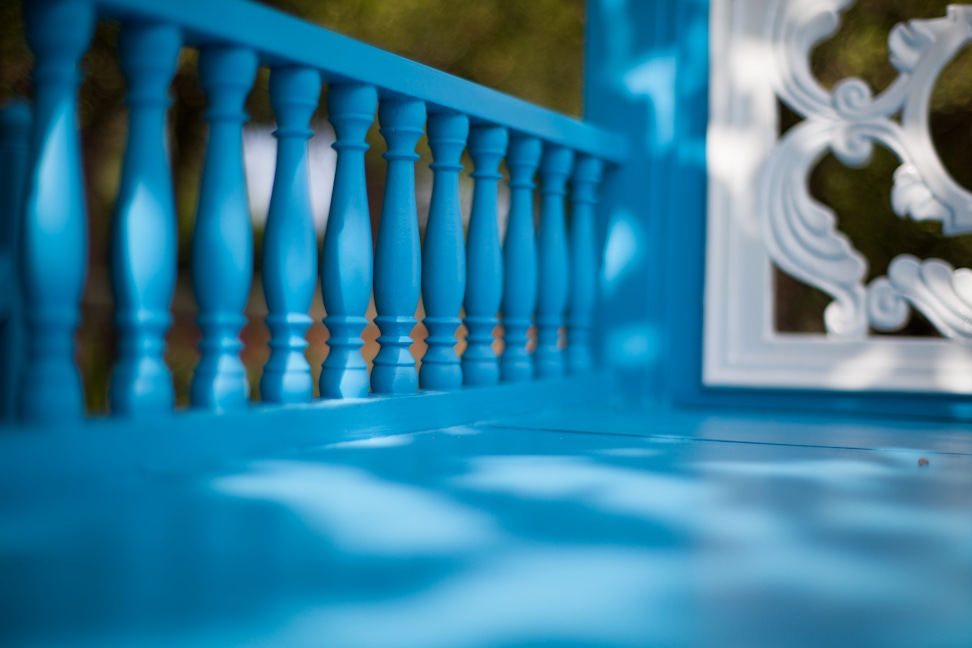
547 277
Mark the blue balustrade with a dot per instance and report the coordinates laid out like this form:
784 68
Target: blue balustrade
289 242
144 253
520 259
583 263
553 270
222 250
346 263
397 253
15 126
55 233
484 275
443 253
531 277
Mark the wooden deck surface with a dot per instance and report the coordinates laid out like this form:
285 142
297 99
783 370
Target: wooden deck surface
594 527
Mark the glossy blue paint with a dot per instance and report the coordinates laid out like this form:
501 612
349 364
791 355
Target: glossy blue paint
284 39
590 526
289 242
346 260
54 241
144 255
519 259
398 252
443 254
222 245
484 262
583 263
553 271
15 127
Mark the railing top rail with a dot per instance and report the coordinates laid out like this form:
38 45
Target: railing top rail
280 38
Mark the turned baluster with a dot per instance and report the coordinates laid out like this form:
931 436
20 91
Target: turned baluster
397 254
583 263
553 269
15 126
346 261
289 242
222 247
144 255
484 273
443 256
520 259
54 232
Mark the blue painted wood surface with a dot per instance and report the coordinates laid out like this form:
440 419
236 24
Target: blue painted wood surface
144 245
15 127
552 271
54 243
398 250
289 242
222 245
484 261
520 259
346 262
443 253
591 526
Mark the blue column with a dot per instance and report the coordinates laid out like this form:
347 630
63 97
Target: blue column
54 232
553 270
443 256
15 126
222 247
346 262
583 263
144 245
520 259
397 253
484 269
289 242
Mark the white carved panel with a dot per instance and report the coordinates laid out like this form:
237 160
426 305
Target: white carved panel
761 212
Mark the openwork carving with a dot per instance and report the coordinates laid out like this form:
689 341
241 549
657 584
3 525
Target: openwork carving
801 234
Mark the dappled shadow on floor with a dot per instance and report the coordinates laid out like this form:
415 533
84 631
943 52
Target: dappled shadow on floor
490 536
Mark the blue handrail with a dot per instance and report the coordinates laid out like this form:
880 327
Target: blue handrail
283 39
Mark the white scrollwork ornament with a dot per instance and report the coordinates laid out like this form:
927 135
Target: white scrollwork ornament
801 234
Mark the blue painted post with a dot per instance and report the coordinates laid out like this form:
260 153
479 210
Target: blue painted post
55 230
484 274
553 269
520 259
397 254
583 263
443 256
222 247
346 262
290 243
144 255
15 124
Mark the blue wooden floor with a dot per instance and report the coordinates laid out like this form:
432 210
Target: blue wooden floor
595 527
